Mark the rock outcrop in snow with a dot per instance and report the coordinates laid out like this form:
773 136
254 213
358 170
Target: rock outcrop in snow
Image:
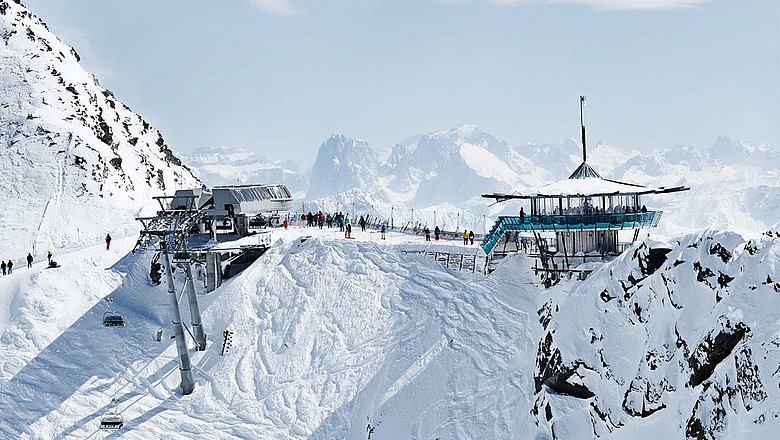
678 340
67 142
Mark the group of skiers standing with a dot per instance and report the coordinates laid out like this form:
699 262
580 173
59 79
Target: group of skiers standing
8 268
343 222
468 236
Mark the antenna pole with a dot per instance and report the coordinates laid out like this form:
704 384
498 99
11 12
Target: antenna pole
582 124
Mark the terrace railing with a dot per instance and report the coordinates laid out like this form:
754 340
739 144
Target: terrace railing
577 222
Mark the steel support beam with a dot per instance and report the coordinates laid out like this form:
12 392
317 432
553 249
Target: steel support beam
185 368
197 325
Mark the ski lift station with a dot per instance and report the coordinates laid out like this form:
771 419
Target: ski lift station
184 233
236 209
566 223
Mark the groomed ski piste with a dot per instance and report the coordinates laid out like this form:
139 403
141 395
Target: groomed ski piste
354 339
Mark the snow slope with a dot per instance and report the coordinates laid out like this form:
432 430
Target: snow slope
67 142
328 336
337 338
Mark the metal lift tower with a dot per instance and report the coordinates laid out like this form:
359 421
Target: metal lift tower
171 227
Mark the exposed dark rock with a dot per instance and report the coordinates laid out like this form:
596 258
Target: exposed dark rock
720 251
103 131
116 163
654 259
702 273
749 382
605 296
724 280
712 350
708 418
678 262
650 395
545 314
551 372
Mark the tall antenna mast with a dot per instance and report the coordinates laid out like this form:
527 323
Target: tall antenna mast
582 124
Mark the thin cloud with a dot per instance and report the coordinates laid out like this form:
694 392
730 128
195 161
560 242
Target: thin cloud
276 7
614 5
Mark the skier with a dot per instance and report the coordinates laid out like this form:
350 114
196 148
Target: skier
436 233
48 255
362 223
2 265
427 234
285 223
522 214
108 241
10 267
348 230
383 230
465 237
471 237
29 260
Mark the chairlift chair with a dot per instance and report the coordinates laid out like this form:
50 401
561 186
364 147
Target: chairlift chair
113 319
112 421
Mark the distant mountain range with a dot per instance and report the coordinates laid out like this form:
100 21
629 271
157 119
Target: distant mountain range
734 183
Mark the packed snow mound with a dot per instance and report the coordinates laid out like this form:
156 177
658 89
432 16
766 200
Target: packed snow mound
673 341
67 141
229 166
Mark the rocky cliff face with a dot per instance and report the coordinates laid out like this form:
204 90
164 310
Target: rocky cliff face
75 161
680 339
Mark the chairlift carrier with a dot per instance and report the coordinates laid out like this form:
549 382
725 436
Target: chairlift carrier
113 319
112 421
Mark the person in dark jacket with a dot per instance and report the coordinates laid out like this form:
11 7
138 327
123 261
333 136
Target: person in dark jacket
427 234
2 265
436 233
29 260
108 241
10 267
471 237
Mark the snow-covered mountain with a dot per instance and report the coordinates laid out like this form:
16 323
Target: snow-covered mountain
342 163
455 166
227 166
344 339
668 341
738 192
369 338
67 142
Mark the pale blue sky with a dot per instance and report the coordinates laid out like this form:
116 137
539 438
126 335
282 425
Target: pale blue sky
278 76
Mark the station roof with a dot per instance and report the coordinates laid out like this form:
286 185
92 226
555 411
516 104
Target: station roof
584 182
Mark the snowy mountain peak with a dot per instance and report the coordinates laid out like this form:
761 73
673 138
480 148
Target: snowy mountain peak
74 139
342 163
738 151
